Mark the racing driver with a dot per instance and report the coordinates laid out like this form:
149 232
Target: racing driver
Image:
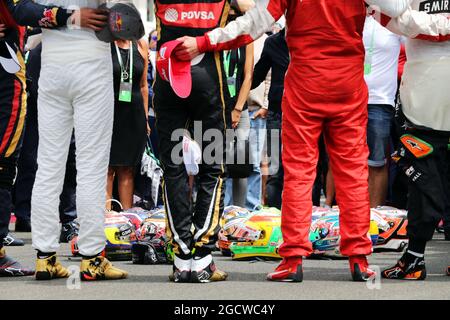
13 14
75 92
324 92
425 121
206 103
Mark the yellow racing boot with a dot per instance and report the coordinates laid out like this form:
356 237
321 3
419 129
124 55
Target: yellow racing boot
100 268
50 268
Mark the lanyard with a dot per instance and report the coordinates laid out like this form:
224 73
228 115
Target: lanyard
227 62
231 79
369 53
124 75
372 42
27 56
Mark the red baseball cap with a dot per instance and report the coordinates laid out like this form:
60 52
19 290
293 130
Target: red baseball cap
173 70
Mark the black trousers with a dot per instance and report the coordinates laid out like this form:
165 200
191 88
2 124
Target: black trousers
275 182
447 212
321 178
12 121
206 107
428 184
26 167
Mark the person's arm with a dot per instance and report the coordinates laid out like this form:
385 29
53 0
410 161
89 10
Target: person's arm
264 110
420 25
263 66
143 49
255 22
263 15
29 13
245 86
390 8
267 90
236 34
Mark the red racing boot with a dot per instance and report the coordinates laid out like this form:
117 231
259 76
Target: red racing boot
289 270
359 268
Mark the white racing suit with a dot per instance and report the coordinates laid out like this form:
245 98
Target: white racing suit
424 89
75 92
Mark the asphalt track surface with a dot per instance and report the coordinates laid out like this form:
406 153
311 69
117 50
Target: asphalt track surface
323 279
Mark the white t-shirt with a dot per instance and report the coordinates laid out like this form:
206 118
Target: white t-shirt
385 45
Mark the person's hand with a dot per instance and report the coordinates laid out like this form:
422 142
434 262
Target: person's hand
188 49
95 19
2 30
149 130
245 5
261 113
235 118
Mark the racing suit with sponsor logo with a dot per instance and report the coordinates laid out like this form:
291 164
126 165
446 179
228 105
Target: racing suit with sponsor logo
425 114
75 92
324 92
13 95
205 105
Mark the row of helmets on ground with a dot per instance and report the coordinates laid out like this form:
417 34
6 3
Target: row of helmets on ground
135 234
257 234
140 235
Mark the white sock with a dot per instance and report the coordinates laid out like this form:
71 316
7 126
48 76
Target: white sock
418 255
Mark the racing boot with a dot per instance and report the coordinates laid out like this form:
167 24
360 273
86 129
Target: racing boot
204 269
100 268
11 268
409 267
181 269
448 270
10 241
359 267
49 268
69 231
289 270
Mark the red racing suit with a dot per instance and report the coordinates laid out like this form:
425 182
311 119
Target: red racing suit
325 93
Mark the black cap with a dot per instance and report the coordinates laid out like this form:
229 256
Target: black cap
124 23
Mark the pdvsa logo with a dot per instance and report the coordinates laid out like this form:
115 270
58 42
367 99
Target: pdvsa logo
171 15
198 15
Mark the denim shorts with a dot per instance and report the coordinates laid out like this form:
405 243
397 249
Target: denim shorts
379 133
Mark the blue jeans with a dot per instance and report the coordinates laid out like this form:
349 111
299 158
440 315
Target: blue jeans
379 133
257 138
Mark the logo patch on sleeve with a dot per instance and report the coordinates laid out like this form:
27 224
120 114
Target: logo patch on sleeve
416 146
